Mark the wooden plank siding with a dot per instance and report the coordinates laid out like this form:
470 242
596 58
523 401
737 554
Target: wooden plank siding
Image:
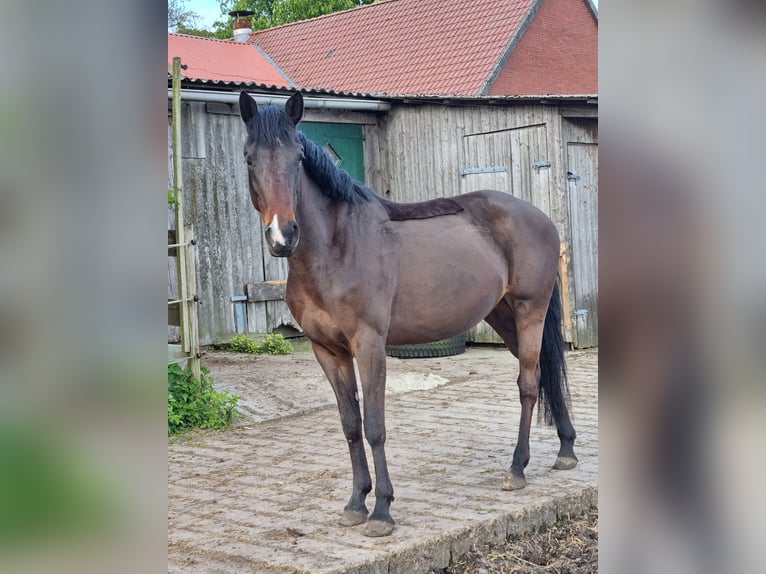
580 139
412 153
429 146
230 249
426 149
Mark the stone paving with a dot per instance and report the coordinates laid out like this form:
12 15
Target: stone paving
265 497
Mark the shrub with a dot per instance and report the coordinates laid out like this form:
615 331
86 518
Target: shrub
276 344
195 403
273 344
244 344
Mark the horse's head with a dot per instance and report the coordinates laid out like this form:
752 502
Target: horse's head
273 153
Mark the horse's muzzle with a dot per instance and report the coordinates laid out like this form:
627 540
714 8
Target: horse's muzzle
282 241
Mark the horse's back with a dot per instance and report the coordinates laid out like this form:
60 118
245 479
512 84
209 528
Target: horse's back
513 221
453 270
526 236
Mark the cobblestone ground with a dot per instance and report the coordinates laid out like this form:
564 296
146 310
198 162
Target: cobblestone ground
265 496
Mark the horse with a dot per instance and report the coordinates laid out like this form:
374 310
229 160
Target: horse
365 272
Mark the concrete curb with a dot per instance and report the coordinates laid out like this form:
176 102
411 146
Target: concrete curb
440 551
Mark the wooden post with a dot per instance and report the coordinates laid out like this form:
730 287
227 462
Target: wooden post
566 308
191 289
184 238
179 205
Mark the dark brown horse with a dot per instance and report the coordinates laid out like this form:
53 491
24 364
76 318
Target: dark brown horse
365 272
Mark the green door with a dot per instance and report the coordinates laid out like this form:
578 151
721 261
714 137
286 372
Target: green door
344 143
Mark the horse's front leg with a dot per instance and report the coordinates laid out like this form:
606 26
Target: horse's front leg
340 372
371 358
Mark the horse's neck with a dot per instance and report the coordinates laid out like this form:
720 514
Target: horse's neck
318 220
325 225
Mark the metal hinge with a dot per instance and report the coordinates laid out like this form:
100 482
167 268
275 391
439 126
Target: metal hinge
537 166
571 176
476 170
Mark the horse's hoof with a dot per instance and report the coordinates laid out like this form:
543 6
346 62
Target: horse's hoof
513 482
377 528
353 517
565 463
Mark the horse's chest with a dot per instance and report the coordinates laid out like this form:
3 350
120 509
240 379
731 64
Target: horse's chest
317 318
333 313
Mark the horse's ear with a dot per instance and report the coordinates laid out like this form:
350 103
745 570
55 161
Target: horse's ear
294 107
247 106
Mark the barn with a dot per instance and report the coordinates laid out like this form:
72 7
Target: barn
418 99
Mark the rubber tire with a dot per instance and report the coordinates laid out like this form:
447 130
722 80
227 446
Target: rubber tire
443 348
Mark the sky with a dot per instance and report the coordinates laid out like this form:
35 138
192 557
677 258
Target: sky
210 11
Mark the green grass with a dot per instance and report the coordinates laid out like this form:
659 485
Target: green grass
195 403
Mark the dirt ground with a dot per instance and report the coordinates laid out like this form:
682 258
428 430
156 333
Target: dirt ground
567 547
276 386
271 387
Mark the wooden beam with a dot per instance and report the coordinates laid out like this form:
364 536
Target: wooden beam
266 291
579 112
566 309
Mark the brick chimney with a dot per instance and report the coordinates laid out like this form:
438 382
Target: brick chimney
242 24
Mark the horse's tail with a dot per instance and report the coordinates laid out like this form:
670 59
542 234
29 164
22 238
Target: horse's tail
553 391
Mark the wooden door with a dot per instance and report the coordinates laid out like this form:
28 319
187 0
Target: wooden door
582 188
513 161
344 143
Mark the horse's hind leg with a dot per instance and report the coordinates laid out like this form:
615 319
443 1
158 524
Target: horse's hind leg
522 332
340 372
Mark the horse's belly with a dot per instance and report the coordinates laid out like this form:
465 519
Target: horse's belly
445 288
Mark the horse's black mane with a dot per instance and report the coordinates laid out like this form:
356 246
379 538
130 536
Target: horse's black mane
271 126
334 182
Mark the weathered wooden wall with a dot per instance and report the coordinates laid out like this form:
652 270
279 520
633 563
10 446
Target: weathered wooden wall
580 141
413 152
231 251
437 150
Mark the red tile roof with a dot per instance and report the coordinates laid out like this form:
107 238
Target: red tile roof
399 46
557 54
223 61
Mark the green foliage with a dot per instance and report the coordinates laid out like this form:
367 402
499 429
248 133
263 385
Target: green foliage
172 197
276 344
200 32
271 13
273 344
244 344
195 403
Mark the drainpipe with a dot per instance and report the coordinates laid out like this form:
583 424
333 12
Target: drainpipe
314 102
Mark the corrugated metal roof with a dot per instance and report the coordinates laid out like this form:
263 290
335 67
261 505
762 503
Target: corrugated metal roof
224 61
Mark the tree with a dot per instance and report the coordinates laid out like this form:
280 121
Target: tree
270 13
297 10
179 16
183 21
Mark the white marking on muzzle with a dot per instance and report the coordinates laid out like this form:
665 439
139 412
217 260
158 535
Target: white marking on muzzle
276 233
